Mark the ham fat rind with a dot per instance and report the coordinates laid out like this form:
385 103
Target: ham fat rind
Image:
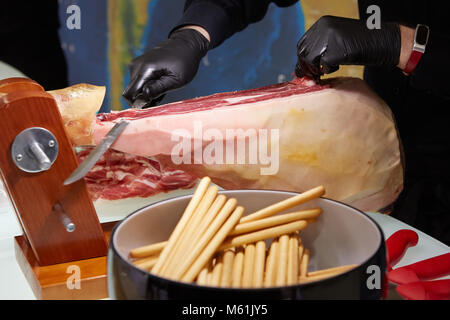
339 134
78 105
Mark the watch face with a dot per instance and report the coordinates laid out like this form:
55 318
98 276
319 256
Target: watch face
422 35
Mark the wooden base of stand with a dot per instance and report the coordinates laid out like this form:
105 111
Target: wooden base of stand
59 281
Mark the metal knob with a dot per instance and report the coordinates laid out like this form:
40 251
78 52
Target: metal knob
68 224
34 150
39 154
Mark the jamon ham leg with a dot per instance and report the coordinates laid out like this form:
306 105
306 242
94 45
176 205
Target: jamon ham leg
339 134
116 175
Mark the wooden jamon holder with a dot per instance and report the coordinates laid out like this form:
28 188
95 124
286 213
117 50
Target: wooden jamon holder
62 251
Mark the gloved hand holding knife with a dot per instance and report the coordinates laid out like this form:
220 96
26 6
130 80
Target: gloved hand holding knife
166 67
329 43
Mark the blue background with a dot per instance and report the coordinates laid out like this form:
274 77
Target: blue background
262 54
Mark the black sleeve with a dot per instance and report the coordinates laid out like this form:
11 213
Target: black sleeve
223 18
432 71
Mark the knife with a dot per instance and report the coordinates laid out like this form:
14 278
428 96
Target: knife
139 104
97 153
142 103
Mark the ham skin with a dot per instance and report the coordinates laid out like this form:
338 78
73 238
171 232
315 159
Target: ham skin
78 106
338 134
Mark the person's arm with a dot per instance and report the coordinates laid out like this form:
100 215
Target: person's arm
433 68
407 42
334 41
202 31
222 18
168 66
204 25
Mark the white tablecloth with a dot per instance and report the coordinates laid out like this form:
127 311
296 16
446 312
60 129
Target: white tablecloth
13 284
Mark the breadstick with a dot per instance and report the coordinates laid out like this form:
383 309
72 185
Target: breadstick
156 248
200 212
202 278
217 271
292 269
324 274
264 234
146 251
300 256
146 263
281 276
238 266
249 260
213 245
331 271
174 237
270 274
304 264
227 272
241 228
185 239
209 234
209 274
209 217
285 204
251 226
260 260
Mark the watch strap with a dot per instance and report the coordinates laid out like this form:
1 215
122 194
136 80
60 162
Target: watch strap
420 42
413 61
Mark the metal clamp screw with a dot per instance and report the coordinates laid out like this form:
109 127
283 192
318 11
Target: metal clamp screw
34 150
68 224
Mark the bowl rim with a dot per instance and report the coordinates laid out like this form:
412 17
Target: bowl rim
195 286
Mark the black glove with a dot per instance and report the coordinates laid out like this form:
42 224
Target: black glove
333 41
168 66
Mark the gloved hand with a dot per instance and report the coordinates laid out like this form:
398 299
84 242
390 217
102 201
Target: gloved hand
334 41
168 66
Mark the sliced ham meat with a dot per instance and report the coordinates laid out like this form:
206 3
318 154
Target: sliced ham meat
339 134
118 175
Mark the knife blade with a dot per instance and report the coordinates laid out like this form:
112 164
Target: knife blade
96 154
143 103
139 104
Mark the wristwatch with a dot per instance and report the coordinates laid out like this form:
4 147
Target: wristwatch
420 42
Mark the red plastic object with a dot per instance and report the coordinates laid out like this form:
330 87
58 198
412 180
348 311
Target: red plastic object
398 243
410 278
425 290
432 268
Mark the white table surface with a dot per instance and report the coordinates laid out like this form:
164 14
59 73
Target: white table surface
8 71
13 284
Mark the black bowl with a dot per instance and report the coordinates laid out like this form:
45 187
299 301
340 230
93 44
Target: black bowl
342 235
